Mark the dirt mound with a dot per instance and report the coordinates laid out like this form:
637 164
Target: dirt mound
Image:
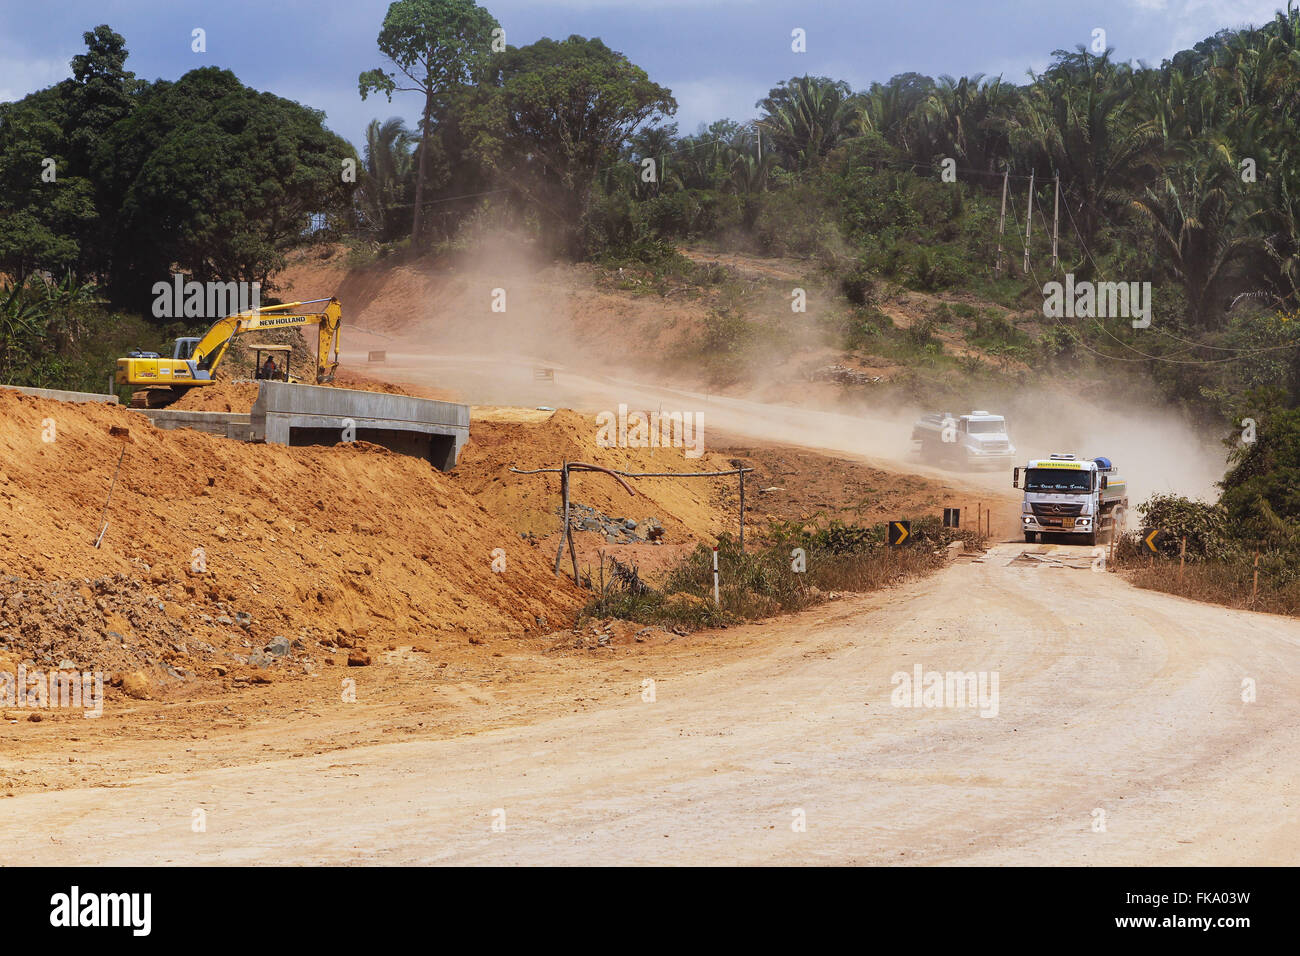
222 397
214 543
688 508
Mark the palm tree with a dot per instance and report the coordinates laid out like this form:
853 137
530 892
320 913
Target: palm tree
655 142
967 119
1201 228
749 178
20 326
388 168
893 111
806 117
1082 118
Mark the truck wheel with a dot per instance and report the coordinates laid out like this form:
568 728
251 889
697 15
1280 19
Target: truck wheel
1031 537
1090 538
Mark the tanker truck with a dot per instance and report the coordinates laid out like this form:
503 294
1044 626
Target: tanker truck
1081 497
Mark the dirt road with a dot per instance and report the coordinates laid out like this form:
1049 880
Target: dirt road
487 379
1114 705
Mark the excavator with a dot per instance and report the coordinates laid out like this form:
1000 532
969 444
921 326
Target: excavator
195 360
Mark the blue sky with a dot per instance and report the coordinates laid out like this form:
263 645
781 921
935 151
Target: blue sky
717 56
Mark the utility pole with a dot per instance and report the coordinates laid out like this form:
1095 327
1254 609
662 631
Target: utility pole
1002 223
759 129
1029 219
1056 218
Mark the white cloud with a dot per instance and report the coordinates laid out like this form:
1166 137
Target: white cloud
1191 21
714 98
22 75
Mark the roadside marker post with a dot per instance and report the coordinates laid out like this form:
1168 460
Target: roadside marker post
899 531
717 602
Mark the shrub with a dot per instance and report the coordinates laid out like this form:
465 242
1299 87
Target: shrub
1204 525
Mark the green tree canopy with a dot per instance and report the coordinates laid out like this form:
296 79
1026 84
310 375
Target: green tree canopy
552 113
216 178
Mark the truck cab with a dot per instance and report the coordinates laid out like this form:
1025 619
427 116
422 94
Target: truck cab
1079 497
977 440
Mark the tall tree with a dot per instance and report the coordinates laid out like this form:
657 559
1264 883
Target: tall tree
1081 118
388 168
45 208
1200 225
807 117
554 112
438 47
216 178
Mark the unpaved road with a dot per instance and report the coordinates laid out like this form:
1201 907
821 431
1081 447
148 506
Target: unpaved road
1110 699
490 379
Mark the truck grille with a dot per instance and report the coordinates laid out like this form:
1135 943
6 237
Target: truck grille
1056 509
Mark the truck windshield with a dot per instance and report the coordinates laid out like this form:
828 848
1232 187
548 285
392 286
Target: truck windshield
987 428
1058 480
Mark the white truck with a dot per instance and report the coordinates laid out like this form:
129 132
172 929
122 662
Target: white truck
1080 497
977 440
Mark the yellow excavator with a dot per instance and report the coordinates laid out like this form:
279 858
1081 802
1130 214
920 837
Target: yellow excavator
195 360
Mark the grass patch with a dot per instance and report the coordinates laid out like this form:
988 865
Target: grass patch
1228 581
762 581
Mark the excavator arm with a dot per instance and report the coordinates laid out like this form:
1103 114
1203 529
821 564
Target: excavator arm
166 379
211 349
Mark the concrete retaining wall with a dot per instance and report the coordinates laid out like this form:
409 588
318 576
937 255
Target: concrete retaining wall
316 415
61 396
227 424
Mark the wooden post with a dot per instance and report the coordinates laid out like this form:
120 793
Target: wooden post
568 530
1254 588
1029 219
1002 224
564 497
717 601
1182 555
742 510
1056 219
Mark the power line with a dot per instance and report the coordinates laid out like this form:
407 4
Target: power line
1191 345
506 189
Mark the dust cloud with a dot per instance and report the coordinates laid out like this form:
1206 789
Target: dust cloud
607 346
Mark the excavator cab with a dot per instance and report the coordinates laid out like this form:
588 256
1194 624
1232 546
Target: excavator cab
281 368
184 348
